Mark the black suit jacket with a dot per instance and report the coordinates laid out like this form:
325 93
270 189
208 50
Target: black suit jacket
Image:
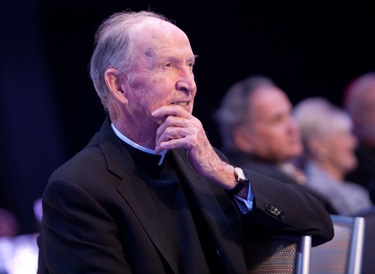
98 218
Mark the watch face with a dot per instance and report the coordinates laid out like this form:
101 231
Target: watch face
240 174
241 179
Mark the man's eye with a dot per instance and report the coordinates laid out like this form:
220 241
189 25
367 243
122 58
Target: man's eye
191 64
168 65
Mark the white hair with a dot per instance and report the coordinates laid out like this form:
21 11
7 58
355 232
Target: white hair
316 116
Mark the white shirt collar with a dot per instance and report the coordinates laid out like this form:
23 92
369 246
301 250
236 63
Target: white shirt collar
139 147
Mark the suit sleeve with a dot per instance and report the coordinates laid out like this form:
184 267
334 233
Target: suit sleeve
78 236
286 208
281 208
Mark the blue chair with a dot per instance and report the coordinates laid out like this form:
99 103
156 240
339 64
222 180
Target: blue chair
343 254
279 255
368 261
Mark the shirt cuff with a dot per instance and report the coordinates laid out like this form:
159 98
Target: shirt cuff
245 205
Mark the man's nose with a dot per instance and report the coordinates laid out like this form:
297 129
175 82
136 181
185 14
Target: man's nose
186 81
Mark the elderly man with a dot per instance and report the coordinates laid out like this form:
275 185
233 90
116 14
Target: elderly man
259 132
360 103
149 194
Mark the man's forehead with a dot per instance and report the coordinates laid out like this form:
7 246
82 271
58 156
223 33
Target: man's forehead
153 26
267 95
268 102
154 40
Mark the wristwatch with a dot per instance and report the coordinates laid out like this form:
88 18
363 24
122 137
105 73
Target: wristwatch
241 179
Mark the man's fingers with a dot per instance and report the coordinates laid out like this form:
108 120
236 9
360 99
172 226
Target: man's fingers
171 110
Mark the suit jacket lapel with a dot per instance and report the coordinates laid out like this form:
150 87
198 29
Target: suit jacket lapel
134 190
220 215
137 196
205 193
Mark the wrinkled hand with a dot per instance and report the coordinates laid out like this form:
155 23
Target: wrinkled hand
180 129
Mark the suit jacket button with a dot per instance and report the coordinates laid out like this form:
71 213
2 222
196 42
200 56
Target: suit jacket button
270 208
275 211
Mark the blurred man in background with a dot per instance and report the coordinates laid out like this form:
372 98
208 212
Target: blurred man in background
259 132
359 101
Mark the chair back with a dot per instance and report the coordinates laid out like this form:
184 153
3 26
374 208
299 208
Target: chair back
343 254
278 255
368 261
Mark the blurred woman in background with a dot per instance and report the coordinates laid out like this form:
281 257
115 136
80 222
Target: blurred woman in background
329 154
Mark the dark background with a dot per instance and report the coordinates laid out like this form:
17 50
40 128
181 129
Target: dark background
49 109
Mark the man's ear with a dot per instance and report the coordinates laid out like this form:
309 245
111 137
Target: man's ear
114 81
